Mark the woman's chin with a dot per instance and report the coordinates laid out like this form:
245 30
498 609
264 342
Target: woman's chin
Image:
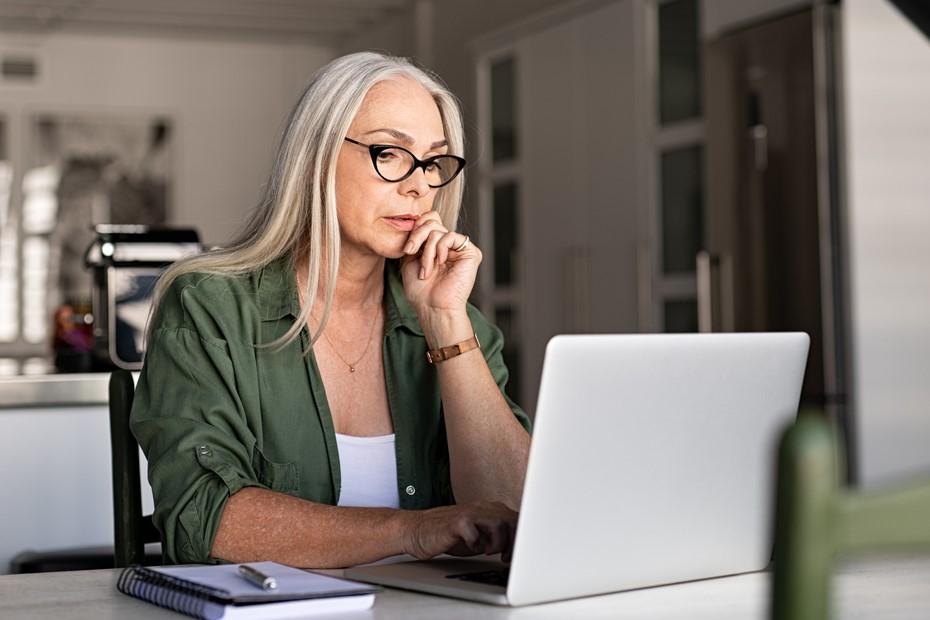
381 248
392 250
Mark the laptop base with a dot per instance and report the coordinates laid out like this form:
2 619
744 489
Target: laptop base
433 577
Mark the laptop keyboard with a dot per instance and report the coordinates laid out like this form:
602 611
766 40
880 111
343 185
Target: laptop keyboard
490 577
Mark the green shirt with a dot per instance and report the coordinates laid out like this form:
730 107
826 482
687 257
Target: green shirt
215 413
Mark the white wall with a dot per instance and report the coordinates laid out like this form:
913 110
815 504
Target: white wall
228 100
395 35
887 92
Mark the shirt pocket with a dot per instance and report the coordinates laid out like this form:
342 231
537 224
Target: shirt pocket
281 477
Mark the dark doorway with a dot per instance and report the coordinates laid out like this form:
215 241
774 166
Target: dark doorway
772 216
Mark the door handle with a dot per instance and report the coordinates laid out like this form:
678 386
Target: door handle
707 269
715 294
760 146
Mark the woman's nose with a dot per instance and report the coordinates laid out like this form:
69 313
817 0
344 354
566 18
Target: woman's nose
416 183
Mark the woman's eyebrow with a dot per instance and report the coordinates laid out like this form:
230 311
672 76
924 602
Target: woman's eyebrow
404 138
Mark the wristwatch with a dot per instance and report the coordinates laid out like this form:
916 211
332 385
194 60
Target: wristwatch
443 353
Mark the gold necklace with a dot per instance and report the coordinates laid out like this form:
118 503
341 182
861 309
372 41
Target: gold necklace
352 365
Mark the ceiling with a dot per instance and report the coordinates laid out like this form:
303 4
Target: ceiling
313 21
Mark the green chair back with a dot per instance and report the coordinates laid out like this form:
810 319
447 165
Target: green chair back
816 518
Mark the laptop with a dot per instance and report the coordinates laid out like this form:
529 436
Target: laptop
652 462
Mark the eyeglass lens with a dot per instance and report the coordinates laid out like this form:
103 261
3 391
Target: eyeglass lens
395 164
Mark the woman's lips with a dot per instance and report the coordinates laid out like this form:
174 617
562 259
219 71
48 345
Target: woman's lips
401 223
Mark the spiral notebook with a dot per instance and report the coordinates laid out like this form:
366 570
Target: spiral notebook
212 592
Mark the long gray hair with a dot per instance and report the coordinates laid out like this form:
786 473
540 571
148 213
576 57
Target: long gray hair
297 213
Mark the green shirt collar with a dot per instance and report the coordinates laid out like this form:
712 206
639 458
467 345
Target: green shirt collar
277 295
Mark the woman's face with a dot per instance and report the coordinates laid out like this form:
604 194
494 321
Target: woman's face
376 216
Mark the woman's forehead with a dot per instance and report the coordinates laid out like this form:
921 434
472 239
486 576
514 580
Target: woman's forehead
403 105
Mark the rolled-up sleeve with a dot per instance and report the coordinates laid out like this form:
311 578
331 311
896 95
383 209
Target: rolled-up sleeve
191 424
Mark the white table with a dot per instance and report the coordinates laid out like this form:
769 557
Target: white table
889 588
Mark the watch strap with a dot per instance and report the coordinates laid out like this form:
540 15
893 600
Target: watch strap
443 353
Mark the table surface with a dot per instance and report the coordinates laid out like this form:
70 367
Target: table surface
896 588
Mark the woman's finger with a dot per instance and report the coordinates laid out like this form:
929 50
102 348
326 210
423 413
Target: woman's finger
428 256
470 535
497 538
418 237
425 224
446 244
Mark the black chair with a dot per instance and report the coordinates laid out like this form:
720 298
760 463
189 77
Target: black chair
132 529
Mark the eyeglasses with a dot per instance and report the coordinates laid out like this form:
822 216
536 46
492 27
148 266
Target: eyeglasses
395 163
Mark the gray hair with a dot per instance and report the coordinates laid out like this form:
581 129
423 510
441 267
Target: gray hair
297 213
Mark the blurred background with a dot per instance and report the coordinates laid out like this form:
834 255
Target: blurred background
635 166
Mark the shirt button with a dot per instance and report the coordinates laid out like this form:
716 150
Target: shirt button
411 489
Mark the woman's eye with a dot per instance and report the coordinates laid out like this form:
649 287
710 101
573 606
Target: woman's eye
433 167
386 156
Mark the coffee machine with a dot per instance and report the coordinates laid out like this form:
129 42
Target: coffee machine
126 262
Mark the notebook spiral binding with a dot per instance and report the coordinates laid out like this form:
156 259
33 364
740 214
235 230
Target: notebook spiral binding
169 592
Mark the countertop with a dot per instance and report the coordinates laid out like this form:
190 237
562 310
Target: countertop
77 389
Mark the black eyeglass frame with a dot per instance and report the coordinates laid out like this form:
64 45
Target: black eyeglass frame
376 149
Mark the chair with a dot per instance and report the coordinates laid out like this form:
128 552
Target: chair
816 518
132 530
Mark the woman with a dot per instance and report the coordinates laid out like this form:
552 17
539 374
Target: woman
287 407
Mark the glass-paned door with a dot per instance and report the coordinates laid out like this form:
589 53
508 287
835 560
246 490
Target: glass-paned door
680 165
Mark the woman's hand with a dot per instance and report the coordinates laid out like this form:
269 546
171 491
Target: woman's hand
467 529
438 278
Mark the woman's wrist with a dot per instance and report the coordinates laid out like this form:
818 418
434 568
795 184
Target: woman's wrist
408 523
443 328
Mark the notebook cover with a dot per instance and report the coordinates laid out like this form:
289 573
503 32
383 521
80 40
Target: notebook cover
227 585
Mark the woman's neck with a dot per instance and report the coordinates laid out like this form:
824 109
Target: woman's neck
359 283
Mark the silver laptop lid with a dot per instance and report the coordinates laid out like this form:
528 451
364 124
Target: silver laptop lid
653 460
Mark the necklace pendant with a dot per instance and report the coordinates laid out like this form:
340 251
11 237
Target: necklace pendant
351 368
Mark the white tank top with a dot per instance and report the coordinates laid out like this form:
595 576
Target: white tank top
368 469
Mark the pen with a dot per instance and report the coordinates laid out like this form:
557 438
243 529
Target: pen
257 578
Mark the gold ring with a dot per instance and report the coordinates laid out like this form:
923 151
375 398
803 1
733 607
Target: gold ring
461 247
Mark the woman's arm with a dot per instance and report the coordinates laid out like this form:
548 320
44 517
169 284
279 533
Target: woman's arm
488 448
258 524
